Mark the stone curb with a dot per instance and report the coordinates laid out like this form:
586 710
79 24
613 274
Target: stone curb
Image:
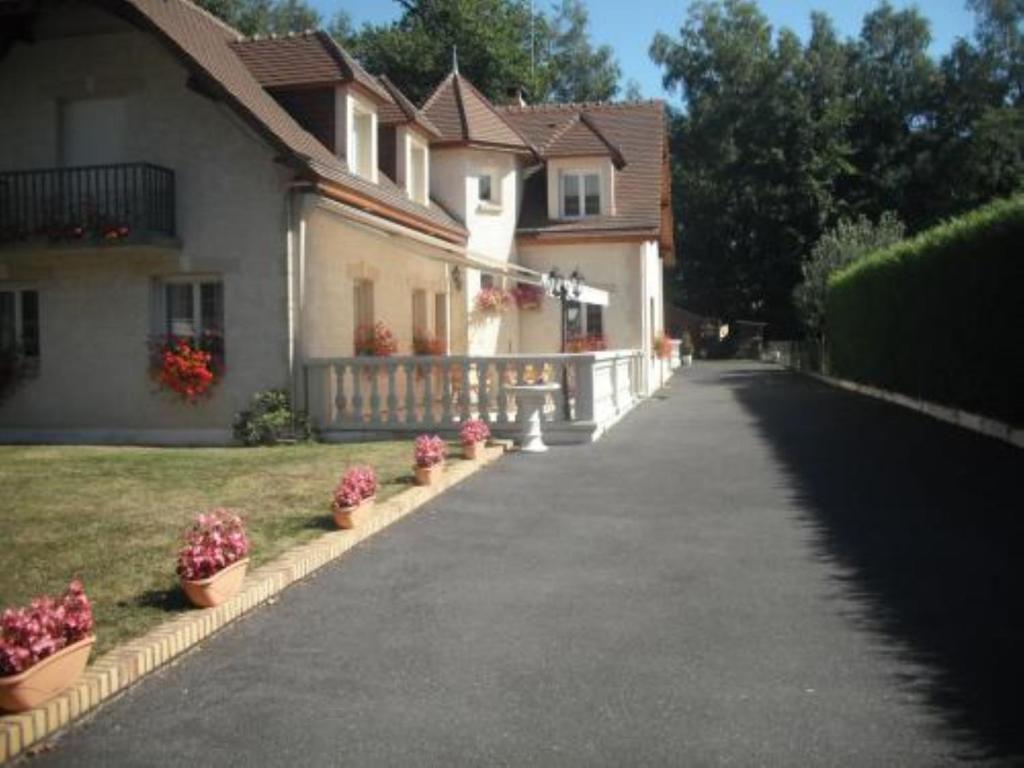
125 665
981 424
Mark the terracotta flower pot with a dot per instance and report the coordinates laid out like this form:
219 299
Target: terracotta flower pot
223 585
42 682
474 450
426 475
345 517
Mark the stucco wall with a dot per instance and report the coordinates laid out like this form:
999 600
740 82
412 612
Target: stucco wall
492 227
96 303
614 267
339 253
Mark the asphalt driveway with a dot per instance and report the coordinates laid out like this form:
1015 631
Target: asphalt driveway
751 569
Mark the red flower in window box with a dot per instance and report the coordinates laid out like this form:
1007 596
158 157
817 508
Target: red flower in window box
375 341
186 368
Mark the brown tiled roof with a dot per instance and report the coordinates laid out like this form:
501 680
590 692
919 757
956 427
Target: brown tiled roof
206 45
637 130
465 116
307 58
398 110
582 138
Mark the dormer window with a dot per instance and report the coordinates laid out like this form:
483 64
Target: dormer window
581 194
362 143
358 118
483 189
416 176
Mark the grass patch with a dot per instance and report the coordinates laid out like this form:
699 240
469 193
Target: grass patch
113 516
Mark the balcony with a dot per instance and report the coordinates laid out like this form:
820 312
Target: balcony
98 206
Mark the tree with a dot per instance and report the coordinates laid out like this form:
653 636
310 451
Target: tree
579 71
633 91
847 242
754 159
493 39
264 17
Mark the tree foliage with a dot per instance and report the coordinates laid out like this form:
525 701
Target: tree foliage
848 241
780 139
265 17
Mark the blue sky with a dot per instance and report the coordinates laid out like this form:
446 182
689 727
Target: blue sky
629 25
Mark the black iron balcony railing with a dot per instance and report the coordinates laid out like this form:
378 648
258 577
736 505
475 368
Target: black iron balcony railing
131 202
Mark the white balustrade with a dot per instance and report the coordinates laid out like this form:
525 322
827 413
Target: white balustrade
421 393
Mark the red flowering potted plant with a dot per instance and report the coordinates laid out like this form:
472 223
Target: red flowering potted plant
429 452
474 435
426 343
44 647
662 348
528 295
356 490
375 341
492 301
594 342
186 367
213 562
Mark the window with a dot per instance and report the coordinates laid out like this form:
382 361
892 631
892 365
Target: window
581 194
418 174
595 320
419 312
441 316
484 192
486 280
19 323
362 302
193 308
361 152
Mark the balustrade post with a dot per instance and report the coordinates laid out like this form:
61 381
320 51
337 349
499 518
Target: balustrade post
392 398
585 371
339 394
410 392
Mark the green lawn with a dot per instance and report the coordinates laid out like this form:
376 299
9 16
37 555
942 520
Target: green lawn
114 516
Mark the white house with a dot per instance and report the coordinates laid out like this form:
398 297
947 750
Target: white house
160 174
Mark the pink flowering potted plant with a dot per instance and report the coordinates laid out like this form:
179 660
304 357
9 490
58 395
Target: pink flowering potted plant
44 648
474 435
213 562
430 451
356 490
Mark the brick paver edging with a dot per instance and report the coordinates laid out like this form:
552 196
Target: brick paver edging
124 666
991 427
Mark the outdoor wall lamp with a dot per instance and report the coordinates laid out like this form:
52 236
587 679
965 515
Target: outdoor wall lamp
456 278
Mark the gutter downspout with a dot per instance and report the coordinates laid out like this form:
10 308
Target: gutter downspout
296 283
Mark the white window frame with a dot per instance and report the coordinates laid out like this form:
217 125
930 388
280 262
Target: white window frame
19 330
357 153
492 205
417 183
580 176
160 324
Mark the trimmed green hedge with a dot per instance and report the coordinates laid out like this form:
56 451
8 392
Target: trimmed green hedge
939 316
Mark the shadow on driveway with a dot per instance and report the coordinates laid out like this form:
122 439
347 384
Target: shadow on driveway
924 523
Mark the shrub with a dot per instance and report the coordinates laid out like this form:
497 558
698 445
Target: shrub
429 451
214 541
48 625
375 341
474 431
270 419
938 316
686 344
356 485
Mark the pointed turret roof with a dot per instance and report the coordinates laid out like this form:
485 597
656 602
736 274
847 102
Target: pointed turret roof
463 115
